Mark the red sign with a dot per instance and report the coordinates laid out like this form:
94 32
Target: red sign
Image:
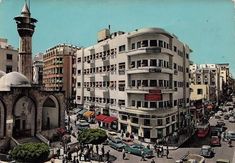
155 91
153 97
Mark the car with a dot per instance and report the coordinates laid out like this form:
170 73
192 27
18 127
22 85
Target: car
112 135
82 125
207 151
220 123
231 119
137 149
117 144
215 141
222 161
230 135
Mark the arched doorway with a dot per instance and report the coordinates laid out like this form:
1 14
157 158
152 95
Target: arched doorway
24 117
2 119
50 113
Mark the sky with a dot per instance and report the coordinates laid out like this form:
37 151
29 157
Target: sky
207 26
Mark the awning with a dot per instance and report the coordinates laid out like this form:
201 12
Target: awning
82 111
101 117
109 119
88 114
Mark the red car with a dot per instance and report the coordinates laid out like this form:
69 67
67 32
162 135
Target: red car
215 141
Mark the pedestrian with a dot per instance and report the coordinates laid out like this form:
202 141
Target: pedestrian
123 154
167 152
102 150
160 151
97 148
142 156
100 156
107 156
152 161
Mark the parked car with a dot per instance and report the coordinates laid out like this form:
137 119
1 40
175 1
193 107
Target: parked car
116 143
230 135
82 124
215 141
112 135
207 151
231 119
137 149
220 123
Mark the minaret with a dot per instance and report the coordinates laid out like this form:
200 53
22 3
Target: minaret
25 28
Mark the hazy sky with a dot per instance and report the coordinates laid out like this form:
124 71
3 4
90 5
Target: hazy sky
207 26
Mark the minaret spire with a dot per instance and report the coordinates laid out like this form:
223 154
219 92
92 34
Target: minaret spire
25 27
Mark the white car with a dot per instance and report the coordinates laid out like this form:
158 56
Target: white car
231 119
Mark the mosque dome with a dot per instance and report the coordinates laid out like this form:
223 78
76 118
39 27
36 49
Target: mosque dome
13 79
2 73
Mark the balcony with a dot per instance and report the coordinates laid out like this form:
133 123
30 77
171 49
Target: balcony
147 90
147 50
149 69
121 72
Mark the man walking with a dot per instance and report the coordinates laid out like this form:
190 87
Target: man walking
102 150
123 154
167 152
107 155
97 148
142 156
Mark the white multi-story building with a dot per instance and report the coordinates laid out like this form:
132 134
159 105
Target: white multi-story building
141 78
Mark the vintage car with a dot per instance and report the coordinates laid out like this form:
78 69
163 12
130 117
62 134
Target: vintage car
207 151
116 143
215 141
82 124
137 149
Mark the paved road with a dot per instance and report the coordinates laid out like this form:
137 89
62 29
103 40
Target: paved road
192 146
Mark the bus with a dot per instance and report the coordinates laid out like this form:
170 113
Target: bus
203 130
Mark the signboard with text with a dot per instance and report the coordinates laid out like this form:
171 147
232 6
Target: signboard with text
153 97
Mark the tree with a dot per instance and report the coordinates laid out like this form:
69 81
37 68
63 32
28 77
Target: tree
92 136
31 152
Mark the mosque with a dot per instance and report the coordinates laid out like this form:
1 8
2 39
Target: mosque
26 109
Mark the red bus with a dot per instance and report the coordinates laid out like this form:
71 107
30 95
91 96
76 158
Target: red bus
203 130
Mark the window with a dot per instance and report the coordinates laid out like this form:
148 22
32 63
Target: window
79 72
175 83
153 42
159 122
160 63
139 63
138 83
133 46
144 43
153 62
78 97
160 83
147 122
144 63
138 44
160 43
8 68
175 49
133 83
173 118
121 102
138 104
153 105
145 104
79 60
161 104
175 102
78 84
132 64
145 83
122 48
199 91
167 120
132 102
9 56
153 83
134 120
123 117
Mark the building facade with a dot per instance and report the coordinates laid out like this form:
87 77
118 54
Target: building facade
9 57
141 78
38 69
58 71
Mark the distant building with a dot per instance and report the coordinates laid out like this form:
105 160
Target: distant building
138 82
58 71
38 69
9 57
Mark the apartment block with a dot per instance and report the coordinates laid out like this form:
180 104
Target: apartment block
9 57
136 81
58 71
